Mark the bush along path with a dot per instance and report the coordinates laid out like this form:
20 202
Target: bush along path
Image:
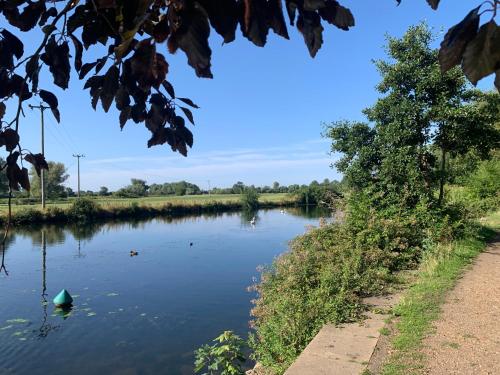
446 323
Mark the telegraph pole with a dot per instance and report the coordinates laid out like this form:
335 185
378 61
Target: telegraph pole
78 156
208 187
42 179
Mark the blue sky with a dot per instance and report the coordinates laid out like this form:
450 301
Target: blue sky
261 116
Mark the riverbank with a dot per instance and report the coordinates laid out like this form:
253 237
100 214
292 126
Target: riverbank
409 346
88 209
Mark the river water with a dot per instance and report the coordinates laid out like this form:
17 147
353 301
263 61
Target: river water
142 314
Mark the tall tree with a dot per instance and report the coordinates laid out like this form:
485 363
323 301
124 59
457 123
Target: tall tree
392 157
54 179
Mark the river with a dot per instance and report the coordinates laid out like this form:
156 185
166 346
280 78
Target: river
142 314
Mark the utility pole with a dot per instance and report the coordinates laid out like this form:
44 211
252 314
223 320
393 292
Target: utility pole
208 187
42 173
78 156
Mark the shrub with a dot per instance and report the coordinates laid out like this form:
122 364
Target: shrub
83 209
27 216
485 182
250 199
225 357
321 279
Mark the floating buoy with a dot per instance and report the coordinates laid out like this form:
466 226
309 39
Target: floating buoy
133 253
190 244
63 299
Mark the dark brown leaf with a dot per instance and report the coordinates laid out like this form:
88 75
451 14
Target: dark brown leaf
188 114
110 87
57 58
223 16
456 39
38 161
49 98
23 178
276 20
433 3
86 68
482 55
337 15
192 38
188 102
10 139
2 110
12 44
161 30
78 52
309 24
169 88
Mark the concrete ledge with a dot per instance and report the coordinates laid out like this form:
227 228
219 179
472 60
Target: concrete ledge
345 349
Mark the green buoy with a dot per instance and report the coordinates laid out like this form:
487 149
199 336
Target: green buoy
63 298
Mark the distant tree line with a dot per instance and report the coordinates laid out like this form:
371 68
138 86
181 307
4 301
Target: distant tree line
57 175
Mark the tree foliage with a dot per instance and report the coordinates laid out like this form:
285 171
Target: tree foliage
54 180
393 156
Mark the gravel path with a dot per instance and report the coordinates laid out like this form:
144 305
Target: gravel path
466 339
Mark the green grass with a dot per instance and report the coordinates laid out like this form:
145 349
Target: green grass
420 305
186 200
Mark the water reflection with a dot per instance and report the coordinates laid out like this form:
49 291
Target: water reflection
144 314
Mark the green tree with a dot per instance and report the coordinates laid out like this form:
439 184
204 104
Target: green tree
103 191
137 188
250 198
54 180
392 156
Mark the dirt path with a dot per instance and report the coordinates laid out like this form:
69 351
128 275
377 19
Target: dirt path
466 339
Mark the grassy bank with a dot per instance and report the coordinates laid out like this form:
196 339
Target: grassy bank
112 208
420 305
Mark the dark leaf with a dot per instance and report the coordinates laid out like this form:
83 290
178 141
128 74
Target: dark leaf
100 64
86 68
122 98
434 3
28 18
337 15
160 137
186 135
309 24
223 16
255 25
78 52
456 39
482 55
51 12
110 87
188 102
49 98
291 8
192 38
32 67
124 116
2 110
12 44
188 114
23 178
169 88
161 30
57 58
13 172
276 20
10 139
38 161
